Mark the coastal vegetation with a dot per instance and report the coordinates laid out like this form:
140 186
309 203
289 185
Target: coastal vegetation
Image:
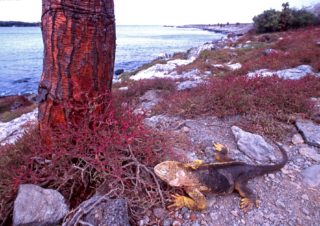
272 20
107 148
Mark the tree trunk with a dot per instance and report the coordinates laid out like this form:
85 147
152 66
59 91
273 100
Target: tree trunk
79 54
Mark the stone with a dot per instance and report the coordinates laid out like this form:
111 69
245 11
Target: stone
149 100
35 206
311 176
310 153
310 131
297 139
186 85
160 213
234 67
291 73
176 223
118 72
253 145
125 88
108 212
11 131
167 222
268 52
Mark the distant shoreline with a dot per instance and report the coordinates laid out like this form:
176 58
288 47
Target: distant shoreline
237 29
19 24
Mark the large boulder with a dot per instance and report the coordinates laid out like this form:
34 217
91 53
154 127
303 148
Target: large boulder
253 145
35 206
101 211
310 132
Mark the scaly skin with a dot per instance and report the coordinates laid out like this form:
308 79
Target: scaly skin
222 177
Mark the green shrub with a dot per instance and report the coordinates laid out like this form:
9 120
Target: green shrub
268 21
272 20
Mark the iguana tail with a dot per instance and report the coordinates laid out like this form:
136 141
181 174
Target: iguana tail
264 169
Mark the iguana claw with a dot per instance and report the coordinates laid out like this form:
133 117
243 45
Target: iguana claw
195 164
247 204
180 201
218 147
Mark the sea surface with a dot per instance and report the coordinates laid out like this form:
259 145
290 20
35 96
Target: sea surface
21 51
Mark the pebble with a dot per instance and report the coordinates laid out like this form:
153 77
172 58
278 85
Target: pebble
184 210
297 139
186 216
271 176
305 211
176 223
234 213
185 129
213 216
305 197
160 213
167 222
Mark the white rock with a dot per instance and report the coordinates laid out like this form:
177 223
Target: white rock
125 88
234 67
291 73
253 145
11 131
188 84
160 70
310 153
36 206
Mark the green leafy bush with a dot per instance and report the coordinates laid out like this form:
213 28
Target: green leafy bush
272 20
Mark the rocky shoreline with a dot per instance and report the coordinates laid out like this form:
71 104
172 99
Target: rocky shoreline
237 29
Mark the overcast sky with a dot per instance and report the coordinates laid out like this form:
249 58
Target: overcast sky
173 12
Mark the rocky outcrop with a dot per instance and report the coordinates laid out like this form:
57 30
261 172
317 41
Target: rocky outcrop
189 84
291 73
11 131
35 206
253 145
310 131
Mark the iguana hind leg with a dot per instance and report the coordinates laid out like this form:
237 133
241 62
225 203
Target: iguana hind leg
248 198
196 201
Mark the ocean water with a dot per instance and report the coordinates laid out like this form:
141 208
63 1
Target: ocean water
21 51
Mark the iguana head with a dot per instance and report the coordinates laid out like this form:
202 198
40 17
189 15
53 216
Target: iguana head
171 172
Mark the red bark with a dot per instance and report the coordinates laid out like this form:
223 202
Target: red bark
79 54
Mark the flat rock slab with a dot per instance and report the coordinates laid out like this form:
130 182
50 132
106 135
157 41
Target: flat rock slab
310 132
35 206
253 145
311 176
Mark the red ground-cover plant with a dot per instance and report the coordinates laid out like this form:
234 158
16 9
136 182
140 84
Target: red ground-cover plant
293 48
107 150
137 88
240 95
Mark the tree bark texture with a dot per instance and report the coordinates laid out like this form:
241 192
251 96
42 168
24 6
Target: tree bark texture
79 53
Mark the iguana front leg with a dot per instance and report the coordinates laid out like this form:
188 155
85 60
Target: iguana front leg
196 201
221 154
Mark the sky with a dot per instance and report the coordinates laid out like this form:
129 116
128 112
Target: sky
162 12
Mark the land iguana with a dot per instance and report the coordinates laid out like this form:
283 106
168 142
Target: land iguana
222 177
